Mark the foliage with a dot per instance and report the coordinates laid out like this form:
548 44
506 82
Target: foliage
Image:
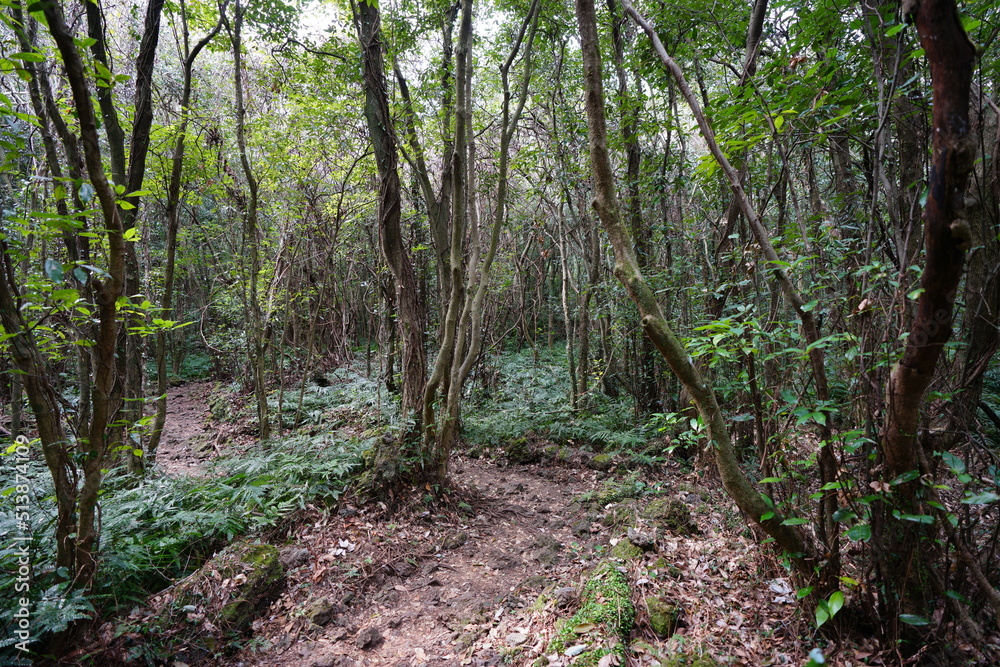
162 528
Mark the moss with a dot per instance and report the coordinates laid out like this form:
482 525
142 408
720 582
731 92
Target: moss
625 550
673 514
606 604
550 452
663 616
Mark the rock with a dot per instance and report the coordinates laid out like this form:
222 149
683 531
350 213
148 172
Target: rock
641 539
319 612
667 569
663 616
550 452
601 462
215 606
565 596
672 514
548 549
368 638
581 528
516 638
293 557
519 450
454 540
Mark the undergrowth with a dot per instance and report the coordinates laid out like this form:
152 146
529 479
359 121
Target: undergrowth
529 395
162 528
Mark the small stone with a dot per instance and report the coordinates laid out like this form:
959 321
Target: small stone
368 638
319 612
324 661
663 616
601 462
516 638
641 539
293 557
454 540
565 596
581 528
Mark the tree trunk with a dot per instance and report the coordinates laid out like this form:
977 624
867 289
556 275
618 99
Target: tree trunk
749 499
173 225
412 311
907 545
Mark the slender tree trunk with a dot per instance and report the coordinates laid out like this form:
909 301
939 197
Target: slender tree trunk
412 311
749 499
173 225
907 545
256 340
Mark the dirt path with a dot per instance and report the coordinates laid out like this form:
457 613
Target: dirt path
187 423
437 589
485 577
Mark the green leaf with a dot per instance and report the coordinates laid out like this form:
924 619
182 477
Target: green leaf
822 615
917 518
984 498
906 477
860 533
802 592
836 602
767 516
132 233
54 270
86 192
794 522
913 619
895 29
955 464
28 57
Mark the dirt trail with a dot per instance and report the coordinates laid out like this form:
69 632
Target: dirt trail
485 577
437 589
187 423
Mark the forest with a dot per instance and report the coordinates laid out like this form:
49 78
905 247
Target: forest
499 332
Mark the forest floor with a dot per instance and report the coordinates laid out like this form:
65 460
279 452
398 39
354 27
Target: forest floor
485 576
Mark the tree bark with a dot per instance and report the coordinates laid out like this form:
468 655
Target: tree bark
951 57
412 310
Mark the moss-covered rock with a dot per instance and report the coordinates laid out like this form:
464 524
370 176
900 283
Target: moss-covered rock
687 660
625 550
603 622
671 514
601 462
550 451
663 616
208 611
520 450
